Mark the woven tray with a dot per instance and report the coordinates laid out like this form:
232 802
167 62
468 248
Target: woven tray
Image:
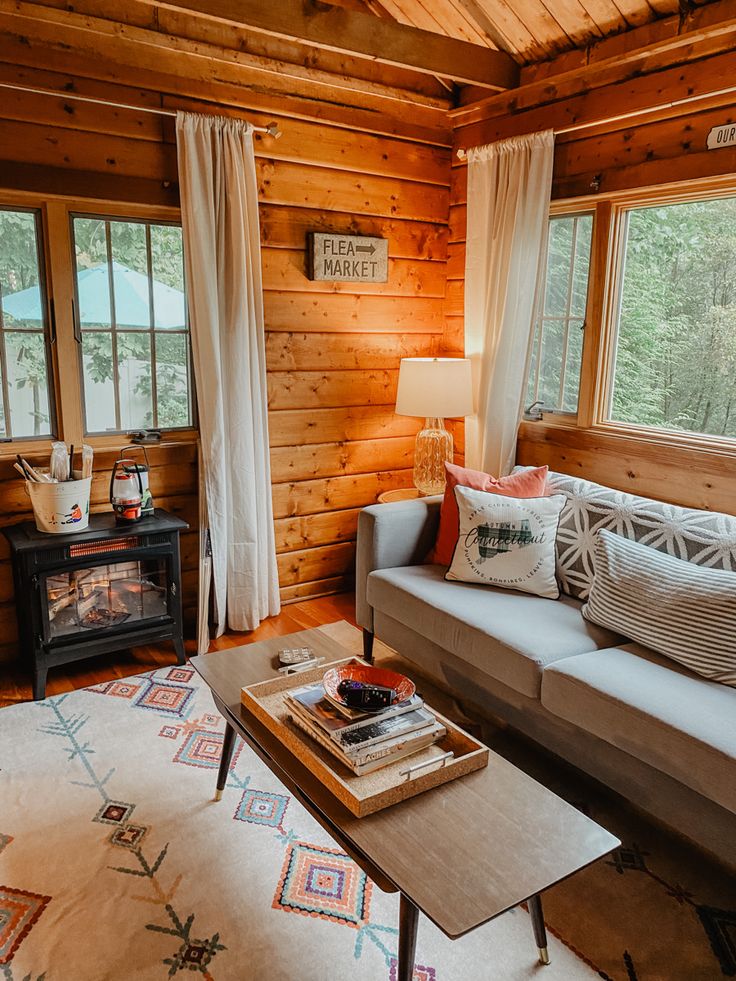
370 793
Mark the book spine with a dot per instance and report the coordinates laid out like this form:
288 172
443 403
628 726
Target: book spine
412 727
391 712
323 740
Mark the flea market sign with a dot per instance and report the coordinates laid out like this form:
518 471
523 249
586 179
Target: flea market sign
720 136
347 258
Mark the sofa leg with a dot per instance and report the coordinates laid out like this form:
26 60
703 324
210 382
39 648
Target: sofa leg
367 646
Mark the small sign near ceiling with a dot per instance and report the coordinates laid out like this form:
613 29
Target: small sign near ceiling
347 258
720 136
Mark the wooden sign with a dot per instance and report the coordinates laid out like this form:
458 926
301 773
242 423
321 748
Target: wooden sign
347 258
720 136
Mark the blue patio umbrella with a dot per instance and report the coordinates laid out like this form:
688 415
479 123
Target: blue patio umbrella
93 287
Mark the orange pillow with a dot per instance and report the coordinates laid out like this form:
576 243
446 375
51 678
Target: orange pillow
525 483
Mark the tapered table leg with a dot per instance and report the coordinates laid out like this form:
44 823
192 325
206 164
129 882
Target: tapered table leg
408 922
227 754
540 934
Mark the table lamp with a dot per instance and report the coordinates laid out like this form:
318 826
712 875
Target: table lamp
436 388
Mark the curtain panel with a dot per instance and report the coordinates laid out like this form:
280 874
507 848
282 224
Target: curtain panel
219 209
509 191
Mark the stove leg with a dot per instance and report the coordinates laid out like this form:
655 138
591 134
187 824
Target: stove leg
181 654
39 681
540 934
228 744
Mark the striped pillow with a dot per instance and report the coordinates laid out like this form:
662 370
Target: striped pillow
684 611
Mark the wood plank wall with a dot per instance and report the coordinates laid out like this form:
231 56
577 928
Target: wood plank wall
355 160
616 156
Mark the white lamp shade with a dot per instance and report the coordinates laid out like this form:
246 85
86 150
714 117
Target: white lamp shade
435 387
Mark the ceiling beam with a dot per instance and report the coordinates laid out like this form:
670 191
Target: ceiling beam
363 35
635 55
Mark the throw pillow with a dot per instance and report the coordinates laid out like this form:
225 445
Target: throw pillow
684 611
529 483
507 541
706 538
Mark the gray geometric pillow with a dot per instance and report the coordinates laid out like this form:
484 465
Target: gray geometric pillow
706 538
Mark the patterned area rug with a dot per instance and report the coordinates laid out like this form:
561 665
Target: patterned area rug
115 863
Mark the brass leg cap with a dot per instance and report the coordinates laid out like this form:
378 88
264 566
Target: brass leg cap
543 955
218 795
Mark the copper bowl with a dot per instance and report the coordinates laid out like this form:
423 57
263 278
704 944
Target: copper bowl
369 675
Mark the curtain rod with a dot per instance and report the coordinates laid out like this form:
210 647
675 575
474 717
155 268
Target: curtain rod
462 152
271 129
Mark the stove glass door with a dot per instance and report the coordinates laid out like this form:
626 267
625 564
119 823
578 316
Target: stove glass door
106 596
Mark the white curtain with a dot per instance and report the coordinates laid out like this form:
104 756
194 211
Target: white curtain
219 209
509 189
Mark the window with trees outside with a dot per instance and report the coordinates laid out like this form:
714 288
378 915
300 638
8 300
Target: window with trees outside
556 353
132 323
674 364
25 397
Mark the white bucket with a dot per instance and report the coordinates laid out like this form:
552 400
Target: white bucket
63 508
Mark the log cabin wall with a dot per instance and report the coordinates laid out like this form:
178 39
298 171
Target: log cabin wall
367 153
659 147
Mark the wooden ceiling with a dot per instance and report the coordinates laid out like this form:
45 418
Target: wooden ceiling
529 30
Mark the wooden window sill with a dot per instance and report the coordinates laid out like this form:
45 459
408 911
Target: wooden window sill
635 435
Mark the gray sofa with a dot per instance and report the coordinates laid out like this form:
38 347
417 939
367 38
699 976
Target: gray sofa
659 735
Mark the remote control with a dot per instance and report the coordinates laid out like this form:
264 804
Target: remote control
356 694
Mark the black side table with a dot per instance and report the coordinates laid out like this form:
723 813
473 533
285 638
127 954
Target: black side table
103 589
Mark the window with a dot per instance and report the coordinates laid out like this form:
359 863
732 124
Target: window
25 402
556 355
675 335
131 317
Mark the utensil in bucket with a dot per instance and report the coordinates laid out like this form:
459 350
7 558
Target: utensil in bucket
63 508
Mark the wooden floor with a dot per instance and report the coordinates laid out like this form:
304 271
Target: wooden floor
15 681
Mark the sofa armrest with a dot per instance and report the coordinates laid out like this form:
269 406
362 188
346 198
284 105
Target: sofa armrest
390 536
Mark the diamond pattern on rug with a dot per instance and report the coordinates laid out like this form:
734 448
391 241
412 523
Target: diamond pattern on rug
169 698
114 812
180 674
129 835
262 807
420 973
19 910
324 882
119 689
170 732
203 748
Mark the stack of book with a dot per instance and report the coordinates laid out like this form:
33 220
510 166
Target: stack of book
363 741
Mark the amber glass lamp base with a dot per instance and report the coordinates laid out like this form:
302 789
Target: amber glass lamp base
433 448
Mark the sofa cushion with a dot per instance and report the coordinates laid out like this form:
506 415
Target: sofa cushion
509 635
507 542
654 710
703 537
684 611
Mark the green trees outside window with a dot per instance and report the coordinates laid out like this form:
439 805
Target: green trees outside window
25 402
675 364
556 354
131 314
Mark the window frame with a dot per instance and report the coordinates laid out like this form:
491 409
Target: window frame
565 209
48 331
59 271
147 221
601 322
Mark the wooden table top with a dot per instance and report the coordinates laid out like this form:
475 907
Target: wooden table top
463 852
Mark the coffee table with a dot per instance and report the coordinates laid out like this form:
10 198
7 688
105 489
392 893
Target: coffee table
504 837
